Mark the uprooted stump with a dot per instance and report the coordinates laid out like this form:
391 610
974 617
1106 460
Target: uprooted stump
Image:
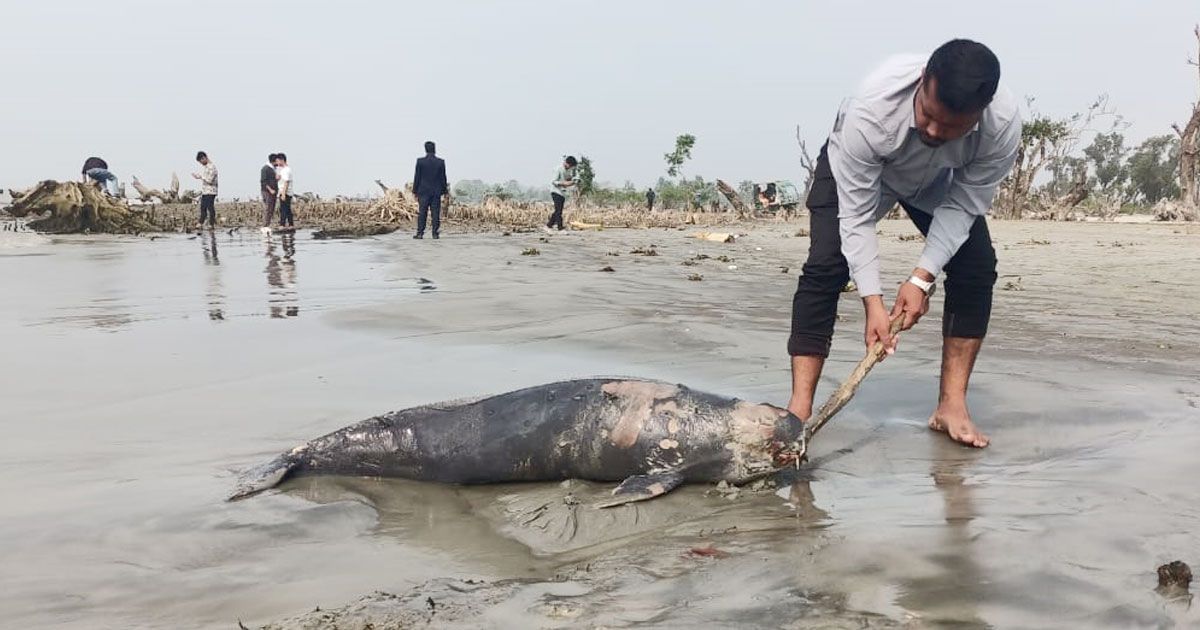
1174 577
355 231
72 208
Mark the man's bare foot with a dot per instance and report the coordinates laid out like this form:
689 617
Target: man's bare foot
956 423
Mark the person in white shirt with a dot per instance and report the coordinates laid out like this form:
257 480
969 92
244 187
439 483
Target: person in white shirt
936 135
283 176
208 190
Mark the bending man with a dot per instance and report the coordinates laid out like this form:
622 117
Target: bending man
937 136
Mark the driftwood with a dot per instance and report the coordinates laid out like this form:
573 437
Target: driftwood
166 195
845 392
73 207
355 231
729 193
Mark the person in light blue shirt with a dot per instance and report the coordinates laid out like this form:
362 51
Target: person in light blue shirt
564 182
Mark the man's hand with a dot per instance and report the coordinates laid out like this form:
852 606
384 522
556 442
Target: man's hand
195 175
911 300
878 324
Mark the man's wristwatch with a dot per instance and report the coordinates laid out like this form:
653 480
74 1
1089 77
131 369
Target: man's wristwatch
926 286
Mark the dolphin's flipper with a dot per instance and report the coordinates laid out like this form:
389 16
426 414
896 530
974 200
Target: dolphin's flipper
263 477
643 488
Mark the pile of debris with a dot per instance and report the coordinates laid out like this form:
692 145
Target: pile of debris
394 205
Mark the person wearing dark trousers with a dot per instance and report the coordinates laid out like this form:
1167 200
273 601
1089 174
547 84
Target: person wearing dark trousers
936 135
208 190
429 184
267 182
564 182
649 200
283 177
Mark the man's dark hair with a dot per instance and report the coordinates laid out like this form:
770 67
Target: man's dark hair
271 158
967 74
430 147
281 156
571 161
200 154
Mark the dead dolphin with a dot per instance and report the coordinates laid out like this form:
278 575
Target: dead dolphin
650 435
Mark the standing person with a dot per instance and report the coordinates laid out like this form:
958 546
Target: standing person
208 189
936 135
96 169
283 177
564 182
649 200
266 181
429 184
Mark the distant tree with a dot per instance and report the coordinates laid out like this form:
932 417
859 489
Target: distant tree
1154 169
1066 174
745 189
681 154
470 190
500 192
1107 154
1046 143
587 176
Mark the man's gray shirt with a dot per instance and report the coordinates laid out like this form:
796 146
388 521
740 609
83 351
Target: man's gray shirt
877 159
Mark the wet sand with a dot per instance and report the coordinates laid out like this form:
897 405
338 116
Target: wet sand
141 373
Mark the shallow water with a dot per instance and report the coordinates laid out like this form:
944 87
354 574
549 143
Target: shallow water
140 374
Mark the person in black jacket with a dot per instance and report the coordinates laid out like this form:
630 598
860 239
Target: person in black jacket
429 184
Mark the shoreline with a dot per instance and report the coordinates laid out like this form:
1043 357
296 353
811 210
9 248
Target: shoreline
122 521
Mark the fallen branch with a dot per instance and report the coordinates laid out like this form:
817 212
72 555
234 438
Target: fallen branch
846 390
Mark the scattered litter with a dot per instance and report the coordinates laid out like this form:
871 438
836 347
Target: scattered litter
709 551
716 237
530 251
695 277
607 268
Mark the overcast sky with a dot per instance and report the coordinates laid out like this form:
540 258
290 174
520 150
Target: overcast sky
350 89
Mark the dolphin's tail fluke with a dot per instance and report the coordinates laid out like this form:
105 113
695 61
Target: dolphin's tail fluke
264 477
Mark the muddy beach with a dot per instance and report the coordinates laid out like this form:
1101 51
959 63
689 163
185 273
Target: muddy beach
144 372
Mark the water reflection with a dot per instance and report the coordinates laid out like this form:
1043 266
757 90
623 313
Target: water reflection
215 293
954 595
281 276
801 499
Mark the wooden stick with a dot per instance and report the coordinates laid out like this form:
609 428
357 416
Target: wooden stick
845 392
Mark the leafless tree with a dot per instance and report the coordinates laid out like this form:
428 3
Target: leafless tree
1189 148
806 162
